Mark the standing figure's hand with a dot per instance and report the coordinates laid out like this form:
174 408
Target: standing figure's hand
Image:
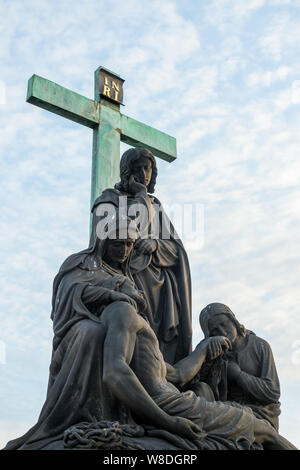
146 247
134 186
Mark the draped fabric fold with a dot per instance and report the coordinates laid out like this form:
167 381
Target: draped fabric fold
164 277
75 388
258 387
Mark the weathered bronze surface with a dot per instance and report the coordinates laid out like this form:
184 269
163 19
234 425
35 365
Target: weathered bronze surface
159 263
246 374
110 127
107 366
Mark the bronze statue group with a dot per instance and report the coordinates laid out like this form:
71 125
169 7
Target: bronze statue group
123 374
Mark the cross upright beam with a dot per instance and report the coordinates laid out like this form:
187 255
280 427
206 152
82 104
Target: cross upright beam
103 115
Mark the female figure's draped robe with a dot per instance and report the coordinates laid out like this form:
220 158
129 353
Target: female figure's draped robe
75 389
76 392
163 276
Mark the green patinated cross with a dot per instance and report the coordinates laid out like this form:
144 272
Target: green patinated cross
109 126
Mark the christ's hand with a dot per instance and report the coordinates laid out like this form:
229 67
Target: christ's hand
120 297
216 346
184 427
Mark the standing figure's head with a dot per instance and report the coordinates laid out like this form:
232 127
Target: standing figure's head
140 163
217 319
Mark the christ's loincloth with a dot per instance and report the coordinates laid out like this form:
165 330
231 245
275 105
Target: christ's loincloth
219 422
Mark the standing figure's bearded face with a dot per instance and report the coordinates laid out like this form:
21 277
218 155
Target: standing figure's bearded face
142 170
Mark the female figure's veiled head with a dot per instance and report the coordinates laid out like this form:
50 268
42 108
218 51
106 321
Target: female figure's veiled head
113 238
121 236
128 166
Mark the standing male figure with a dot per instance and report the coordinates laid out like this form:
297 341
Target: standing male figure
159 263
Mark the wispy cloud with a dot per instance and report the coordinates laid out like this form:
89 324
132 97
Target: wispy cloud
222 77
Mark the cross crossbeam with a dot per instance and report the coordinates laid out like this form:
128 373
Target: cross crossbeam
60 100
109 126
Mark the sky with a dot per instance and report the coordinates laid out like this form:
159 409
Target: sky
221 76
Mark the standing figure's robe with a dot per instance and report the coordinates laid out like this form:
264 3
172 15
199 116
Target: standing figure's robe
164 277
